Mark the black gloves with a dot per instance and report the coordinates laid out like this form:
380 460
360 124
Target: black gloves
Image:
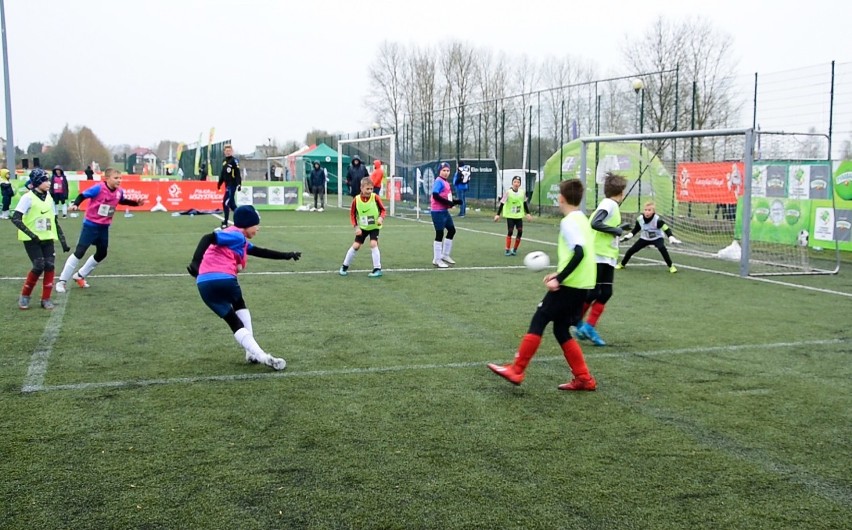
65 247
192 269
456 202
293 255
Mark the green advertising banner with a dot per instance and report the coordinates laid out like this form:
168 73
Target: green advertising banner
629 159
271 195
776 220
788 197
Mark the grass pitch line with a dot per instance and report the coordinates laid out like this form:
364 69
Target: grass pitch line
415 367
34 381
289 273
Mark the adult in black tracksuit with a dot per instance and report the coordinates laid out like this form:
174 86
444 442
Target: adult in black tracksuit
317 182
231 178
356 172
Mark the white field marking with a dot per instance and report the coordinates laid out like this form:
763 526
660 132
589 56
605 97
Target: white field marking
416 367
34 381
291 273
752 278
688 267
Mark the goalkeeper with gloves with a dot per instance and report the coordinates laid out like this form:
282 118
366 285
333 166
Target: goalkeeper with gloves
220 256
651 228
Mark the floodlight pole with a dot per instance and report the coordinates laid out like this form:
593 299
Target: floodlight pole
10 143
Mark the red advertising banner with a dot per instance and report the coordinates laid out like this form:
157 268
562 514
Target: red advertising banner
710 182
170 194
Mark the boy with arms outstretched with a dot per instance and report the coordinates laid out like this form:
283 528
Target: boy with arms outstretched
652 228
566 292
219 257
103 198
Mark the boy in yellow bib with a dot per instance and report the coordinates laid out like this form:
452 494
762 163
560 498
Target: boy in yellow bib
38 228
566 292
514 206
367 215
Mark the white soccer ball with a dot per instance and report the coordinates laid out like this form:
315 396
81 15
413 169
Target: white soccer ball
536 261
802 240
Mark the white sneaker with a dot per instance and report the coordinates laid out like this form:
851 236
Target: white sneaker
449 260
313 209
440 264
320 209
276 364
60 287
250 358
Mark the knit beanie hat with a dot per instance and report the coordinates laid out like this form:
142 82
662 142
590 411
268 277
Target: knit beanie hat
246 216
443 165
37 177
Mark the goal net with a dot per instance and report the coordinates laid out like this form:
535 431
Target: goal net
373 151
738 200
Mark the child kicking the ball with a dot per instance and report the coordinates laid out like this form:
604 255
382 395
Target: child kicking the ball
606 227
566 291
219 257
367 215
651 227
514 206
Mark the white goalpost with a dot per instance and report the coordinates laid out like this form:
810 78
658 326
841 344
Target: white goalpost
740 196
392 179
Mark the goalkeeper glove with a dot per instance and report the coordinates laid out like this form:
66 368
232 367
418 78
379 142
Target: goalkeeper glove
627 236
65 247
293 255
674 241
192 269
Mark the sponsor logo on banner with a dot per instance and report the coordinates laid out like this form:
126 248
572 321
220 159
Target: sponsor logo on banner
710 182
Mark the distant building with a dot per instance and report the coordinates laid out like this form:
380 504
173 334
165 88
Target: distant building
141 161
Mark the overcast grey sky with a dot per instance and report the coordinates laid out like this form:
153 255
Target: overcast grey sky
138 72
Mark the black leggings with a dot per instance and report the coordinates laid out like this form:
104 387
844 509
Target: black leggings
511 224
642 243
42 254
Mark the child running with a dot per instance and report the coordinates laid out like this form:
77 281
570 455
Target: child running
566 292
652 227
607 227
219 257
367 215
103 197
38 227
514 206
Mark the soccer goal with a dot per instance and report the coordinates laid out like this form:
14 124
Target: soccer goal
369 149
737 196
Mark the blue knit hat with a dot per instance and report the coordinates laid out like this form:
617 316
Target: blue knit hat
443 165
37 176
246 216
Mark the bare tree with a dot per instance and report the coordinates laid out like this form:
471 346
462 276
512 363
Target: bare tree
77 149
523 79
385 98
421 88
561 75
490 89
458 63
699 95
